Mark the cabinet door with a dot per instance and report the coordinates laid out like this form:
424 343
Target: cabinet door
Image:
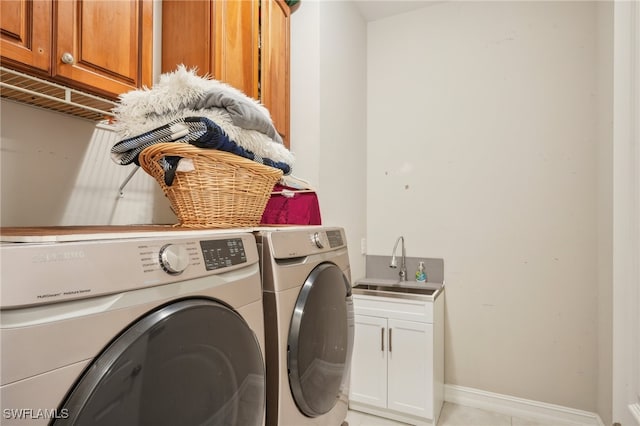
274 62
26 34
240 42
219 38
187 35
236 44
410 365
369 361
104 45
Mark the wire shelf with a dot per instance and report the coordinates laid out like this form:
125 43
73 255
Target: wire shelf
35 91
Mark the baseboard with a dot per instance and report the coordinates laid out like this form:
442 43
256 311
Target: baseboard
519 407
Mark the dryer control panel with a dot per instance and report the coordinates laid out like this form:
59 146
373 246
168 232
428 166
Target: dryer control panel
290 243
335 238
330 238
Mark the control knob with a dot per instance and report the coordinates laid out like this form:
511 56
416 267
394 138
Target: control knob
317 240
174 258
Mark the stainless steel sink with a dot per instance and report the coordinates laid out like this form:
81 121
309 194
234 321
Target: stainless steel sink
404 289
397 289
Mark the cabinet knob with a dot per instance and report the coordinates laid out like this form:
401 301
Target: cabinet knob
67 58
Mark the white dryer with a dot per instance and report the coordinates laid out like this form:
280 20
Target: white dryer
308 324
131 328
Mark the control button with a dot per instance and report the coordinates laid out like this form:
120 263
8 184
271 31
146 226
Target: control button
317 240
174 259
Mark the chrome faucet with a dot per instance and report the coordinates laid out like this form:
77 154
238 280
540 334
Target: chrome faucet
403 263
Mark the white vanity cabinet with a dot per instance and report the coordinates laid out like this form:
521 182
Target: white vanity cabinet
397 369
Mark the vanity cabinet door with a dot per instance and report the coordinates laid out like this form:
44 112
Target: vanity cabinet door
398 358
369 361
410 367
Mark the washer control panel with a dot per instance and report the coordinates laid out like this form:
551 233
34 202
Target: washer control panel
174 258
223 253
50 272
171 257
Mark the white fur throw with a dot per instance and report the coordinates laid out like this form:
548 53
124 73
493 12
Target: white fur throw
182 93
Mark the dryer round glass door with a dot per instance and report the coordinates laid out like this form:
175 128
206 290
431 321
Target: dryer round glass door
192 362
320 340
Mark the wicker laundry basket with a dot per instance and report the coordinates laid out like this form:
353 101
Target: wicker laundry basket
223 191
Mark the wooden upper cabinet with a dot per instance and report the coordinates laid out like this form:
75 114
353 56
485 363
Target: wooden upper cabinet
187 35
275 66
237 44
101 46
105 45
25 42
244 43
218 38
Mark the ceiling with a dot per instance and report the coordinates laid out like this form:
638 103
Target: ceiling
373 10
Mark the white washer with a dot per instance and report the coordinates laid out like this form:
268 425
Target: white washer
308 324
131 328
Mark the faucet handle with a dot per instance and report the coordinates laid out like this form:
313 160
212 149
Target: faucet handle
403 274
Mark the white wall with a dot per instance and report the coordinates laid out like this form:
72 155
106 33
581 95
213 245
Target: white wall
605 210
328 113
56 170
482 149
626 215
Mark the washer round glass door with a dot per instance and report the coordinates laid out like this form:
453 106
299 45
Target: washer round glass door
193 362
320 340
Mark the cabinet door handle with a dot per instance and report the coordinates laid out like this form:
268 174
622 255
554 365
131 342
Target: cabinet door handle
67 58
390 339
382 339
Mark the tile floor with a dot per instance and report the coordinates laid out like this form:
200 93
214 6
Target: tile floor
452 415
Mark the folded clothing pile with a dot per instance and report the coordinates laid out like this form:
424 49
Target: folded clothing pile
184 107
